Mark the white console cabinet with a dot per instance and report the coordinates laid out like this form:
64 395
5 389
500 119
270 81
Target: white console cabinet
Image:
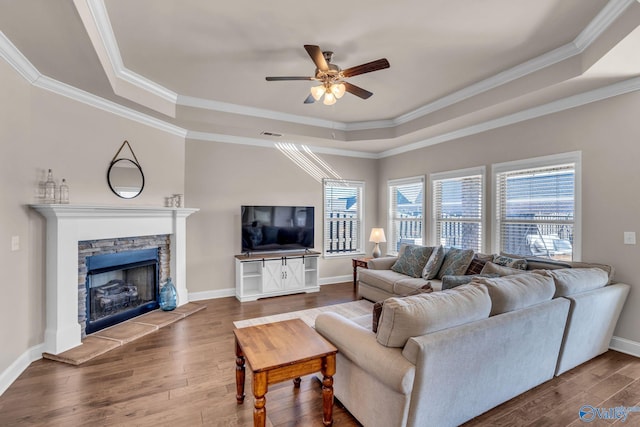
267 275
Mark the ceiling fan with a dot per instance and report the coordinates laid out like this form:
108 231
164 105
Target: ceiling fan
332 78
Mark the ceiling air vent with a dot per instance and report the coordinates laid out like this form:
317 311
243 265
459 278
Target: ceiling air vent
275 135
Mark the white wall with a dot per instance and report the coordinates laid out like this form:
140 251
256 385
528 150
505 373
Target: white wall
39 130
607 134
222 177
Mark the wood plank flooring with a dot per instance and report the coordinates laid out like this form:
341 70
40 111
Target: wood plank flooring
184 375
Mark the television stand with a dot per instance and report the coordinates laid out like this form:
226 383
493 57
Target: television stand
261 275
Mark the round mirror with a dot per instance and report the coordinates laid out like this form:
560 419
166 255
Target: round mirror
125 178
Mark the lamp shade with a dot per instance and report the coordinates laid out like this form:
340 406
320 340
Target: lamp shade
377 235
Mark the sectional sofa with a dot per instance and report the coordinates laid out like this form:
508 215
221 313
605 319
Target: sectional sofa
445 357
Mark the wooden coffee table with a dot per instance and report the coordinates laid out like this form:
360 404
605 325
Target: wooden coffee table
283 351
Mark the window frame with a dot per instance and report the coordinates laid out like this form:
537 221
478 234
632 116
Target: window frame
420 179
360 186
455 174
574 157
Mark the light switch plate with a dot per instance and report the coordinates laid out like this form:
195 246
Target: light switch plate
15 243
629 237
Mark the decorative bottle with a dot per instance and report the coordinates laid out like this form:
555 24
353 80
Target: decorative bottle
64 192
168 296
50 189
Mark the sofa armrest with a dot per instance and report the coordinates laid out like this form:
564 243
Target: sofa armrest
359 345
383 263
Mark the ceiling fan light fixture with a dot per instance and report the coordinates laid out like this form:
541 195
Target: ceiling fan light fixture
317 92
338 90
329 99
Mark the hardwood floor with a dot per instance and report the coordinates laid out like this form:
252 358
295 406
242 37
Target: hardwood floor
184 375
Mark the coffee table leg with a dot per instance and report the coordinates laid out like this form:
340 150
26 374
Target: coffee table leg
239 374
296 382
259 390
328 370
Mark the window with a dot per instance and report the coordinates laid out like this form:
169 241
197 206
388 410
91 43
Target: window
406 200
537 207
458 214
343 218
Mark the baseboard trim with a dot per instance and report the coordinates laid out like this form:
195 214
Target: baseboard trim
335 279
220 293
19 365
626 346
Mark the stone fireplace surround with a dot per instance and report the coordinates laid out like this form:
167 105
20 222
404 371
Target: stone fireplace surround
89 248
67 225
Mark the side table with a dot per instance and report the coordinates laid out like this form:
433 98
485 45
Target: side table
358 262
281 351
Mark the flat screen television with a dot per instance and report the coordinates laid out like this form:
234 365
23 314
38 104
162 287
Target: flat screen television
277 228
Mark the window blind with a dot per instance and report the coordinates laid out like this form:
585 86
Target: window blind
536 211
343 217
406 218
458 211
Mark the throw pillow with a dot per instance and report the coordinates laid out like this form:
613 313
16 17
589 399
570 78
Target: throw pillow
491 268
507 261
412 260
431 268
377 307
455 262
450 282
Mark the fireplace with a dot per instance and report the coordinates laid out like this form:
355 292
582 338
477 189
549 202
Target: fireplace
67 226
120 286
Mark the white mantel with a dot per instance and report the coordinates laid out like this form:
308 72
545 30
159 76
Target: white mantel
69 224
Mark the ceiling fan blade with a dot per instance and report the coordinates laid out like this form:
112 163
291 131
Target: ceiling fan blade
277 79
357 91
316 55
309 100
376 65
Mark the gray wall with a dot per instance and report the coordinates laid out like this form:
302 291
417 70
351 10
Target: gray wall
39 130
222 177
607 134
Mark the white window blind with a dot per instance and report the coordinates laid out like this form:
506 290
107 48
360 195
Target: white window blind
343 217
536 211
458 213
406 218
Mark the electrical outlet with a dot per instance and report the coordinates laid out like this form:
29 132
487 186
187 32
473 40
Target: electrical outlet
629 237
15 243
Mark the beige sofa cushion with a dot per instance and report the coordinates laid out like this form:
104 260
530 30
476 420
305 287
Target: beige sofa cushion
403 318
500 270
517 291
571 281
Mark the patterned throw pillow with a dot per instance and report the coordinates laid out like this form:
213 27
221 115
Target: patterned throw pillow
456 262
412 261
506 261
478 262
431 268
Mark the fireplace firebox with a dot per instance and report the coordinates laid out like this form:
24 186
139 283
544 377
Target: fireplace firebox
120 286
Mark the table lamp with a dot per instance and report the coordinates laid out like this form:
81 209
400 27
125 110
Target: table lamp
377 237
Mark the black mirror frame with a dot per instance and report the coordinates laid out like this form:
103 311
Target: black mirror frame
113 162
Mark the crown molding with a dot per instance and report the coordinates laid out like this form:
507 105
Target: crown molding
18 61
256 142
225 107
620 88
87 98
10 53
612 10
105 31
609 13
